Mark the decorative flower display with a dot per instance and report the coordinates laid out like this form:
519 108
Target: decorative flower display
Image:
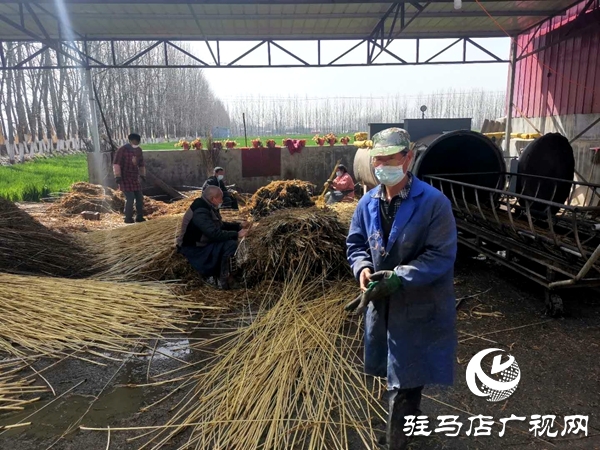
271 143
217 145
183 144
319 140
256 143
197 144
331 139
345 140
230 144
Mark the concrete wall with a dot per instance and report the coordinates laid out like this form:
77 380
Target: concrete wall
570 126
185 168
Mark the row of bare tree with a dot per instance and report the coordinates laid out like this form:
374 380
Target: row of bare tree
279 115
52 105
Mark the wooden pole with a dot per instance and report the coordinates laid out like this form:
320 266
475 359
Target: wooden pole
328 183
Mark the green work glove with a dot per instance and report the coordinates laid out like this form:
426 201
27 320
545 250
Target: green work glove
383 284
387 282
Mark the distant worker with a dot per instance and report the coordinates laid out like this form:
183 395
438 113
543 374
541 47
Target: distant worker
402 247
206 241
229 200
341 188
128 168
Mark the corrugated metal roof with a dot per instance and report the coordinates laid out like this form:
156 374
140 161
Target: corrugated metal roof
278 20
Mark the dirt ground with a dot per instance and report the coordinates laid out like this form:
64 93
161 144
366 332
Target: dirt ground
558 359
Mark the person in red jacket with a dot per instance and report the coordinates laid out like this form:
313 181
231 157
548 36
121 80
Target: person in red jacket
341 188
128 168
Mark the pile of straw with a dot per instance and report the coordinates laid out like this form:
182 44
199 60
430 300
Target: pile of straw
275 246
92 197
144 251
26 246
344 212
291 379
280 195
13 387
53 316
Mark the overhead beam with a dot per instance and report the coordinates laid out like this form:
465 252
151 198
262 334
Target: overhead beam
224 2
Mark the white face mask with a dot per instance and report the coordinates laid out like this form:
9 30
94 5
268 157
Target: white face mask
134 146
338 174
219 177
389 175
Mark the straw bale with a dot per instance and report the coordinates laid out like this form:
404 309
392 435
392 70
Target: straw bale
344 212
276 244
280 195
92 197
144 251
48 316
26 246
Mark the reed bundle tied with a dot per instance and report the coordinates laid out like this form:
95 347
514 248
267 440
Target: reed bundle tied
17 391
92 197
291 379
26 246
280 195
51 316
277 244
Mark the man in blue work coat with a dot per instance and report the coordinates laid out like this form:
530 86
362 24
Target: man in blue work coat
402 247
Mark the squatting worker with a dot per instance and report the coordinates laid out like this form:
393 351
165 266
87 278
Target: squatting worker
128 168
229 200
403 236
206 241
341 188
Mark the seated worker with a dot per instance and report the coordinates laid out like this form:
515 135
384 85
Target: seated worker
206 241
341 188
229 200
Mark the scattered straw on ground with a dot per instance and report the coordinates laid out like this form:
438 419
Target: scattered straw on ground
26 246
51 316
13 387
291 379
276 244
280 195
92 197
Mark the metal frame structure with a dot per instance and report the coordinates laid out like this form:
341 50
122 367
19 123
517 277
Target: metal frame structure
64 32
553 244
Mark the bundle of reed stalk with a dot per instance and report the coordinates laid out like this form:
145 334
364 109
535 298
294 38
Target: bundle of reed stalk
13 387
92 197
280 195
26 246
292 379
51 316
144 251
275 246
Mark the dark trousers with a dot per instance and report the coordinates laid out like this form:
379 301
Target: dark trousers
229 201
139 204
402 402
211 260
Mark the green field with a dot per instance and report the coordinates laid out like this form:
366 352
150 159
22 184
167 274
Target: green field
36 179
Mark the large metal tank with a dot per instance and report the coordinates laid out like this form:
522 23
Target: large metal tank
460 154
466 156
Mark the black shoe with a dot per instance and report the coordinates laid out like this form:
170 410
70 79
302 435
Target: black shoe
140 219
129 221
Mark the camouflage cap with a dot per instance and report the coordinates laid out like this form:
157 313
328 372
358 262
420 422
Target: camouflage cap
390 141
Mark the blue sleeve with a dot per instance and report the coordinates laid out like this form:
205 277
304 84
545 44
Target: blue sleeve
358 249
440 249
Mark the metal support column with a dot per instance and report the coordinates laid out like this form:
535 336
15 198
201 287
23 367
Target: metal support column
511 96
98 168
